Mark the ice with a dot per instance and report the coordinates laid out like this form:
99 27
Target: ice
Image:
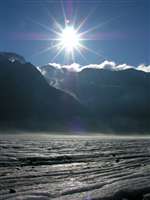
72 168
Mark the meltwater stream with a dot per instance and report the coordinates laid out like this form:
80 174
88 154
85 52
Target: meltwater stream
34 167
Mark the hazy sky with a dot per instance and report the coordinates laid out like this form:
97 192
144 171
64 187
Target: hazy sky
122 33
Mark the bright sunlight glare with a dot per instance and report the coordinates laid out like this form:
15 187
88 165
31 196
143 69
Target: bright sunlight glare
69 39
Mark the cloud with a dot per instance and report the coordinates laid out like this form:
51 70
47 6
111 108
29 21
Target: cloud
108 65
72 67
144 68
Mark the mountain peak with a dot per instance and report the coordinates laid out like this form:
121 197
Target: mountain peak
12 57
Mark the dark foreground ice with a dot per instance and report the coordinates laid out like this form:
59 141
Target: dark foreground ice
73 168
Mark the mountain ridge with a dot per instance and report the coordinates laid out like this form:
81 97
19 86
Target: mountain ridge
89 100
25 97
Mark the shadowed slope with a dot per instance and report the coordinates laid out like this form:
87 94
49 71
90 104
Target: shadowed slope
117 100
26 97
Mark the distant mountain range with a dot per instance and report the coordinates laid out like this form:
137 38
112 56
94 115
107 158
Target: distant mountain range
50 98
117 100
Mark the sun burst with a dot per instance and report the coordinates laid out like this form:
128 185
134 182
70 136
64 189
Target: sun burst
69 39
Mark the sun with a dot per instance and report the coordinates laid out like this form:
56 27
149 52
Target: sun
69 39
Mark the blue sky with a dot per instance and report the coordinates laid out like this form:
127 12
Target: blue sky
123 36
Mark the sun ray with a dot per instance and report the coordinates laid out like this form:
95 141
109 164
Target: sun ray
73 56
54 20
100 25
81 54
58 25
63 11
45 50
85 19
44 26
92 51
57 54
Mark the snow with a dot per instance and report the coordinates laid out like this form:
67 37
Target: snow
74 168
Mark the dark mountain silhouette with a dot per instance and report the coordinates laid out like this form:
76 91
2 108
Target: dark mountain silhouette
105 100
12 57
27 100
60 78
117 100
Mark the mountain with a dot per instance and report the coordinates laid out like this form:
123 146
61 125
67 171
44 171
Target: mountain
12 57
27 100
117 100
60 78
54 98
